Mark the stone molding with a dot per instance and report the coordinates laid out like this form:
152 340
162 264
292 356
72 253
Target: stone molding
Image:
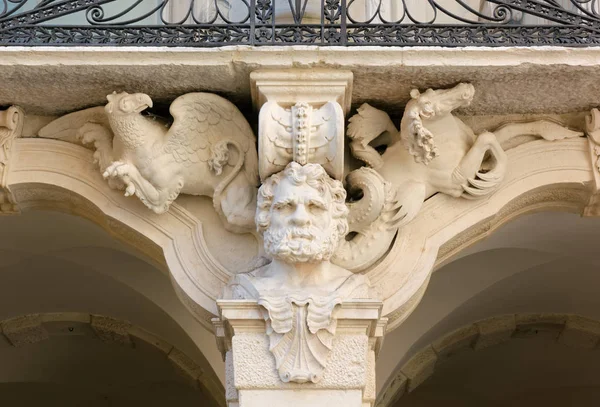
543 175
33 328
566 329
49 174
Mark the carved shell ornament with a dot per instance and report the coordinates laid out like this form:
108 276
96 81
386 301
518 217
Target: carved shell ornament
209 149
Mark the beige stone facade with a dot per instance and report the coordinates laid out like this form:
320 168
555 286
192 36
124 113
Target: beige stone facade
299 226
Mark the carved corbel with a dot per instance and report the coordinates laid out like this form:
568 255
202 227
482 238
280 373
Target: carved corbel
301 118
592 130
11 127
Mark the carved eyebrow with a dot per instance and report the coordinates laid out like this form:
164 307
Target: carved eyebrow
318 203
283 202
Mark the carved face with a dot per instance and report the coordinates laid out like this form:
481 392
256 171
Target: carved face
301 227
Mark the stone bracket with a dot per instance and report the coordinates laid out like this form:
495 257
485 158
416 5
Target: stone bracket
592 130
301 118
11 127
290 86
241 333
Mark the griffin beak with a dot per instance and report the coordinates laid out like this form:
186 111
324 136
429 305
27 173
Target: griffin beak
144 101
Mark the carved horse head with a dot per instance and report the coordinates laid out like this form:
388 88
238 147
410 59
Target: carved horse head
430 105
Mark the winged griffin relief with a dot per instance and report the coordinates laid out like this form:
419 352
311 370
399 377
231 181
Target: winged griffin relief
209 149
432 152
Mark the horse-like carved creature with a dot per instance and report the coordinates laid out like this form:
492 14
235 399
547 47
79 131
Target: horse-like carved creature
434 152
209 149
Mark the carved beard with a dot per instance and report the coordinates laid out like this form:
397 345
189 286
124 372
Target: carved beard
300 245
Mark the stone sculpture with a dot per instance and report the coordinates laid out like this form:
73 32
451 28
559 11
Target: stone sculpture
434 152
11 126
301 133
302 216
209 149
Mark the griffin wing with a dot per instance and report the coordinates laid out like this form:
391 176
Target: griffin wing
203 119
66 127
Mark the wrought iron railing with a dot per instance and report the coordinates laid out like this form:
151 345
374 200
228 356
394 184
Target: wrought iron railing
210 23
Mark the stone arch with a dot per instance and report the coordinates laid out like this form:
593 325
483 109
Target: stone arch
543 176
33 328
566 329
59 176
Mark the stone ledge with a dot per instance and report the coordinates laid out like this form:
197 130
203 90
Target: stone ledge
508 79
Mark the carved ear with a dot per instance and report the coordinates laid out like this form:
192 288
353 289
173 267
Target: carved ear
415 93
111 97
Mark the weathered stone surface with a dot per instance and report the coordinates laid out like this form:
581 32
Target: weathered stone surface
514 80
111 330
24 330
580 332
495 330
420 367
460 340
530 325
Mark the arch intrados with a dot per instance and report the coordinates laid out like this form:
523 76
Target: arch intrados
570 330
29 329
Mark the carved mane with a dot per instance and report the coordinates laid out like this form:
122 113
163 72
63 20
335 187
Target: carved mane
414 135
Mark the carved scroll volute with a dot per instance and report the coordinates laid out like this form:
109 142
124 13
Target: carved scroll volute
11 126
301 119
302 133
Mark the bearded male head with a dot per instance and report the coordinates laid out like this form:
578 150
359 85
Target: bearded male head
301 214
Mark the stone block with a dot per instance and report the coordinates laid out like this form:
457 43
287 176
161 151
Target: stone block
395 390
188 369
111 330
142 338
419 368
460 340
24 330
537 325
494 331
580 332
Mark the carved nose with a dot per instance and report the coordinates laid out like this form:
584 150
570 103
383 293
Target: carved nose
300 216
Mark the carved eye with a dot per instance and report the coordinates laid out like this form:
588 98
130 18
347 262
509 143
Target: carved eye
315 207
283 206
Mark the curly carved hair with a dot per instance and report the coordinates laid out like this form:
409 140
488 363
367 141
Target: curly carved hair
314 176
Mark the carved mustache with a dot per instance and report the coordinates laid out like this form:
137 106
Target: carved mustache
301 233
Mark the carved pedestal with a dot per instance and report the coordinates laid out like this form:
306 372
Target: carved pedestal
253 379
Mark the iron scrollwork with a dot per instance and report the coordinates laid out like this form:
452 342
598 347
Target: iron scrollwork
210 23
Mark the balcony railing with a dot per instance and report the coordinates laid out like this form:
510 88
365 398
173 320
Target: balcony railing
214 23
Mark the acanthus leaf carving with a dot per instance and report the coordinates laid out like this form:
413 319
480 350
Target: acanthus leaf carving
209 149
11 127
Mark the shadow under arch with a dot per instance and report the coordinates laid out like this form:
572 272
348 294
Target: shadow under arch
26 330
59 176
565 329
542 176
